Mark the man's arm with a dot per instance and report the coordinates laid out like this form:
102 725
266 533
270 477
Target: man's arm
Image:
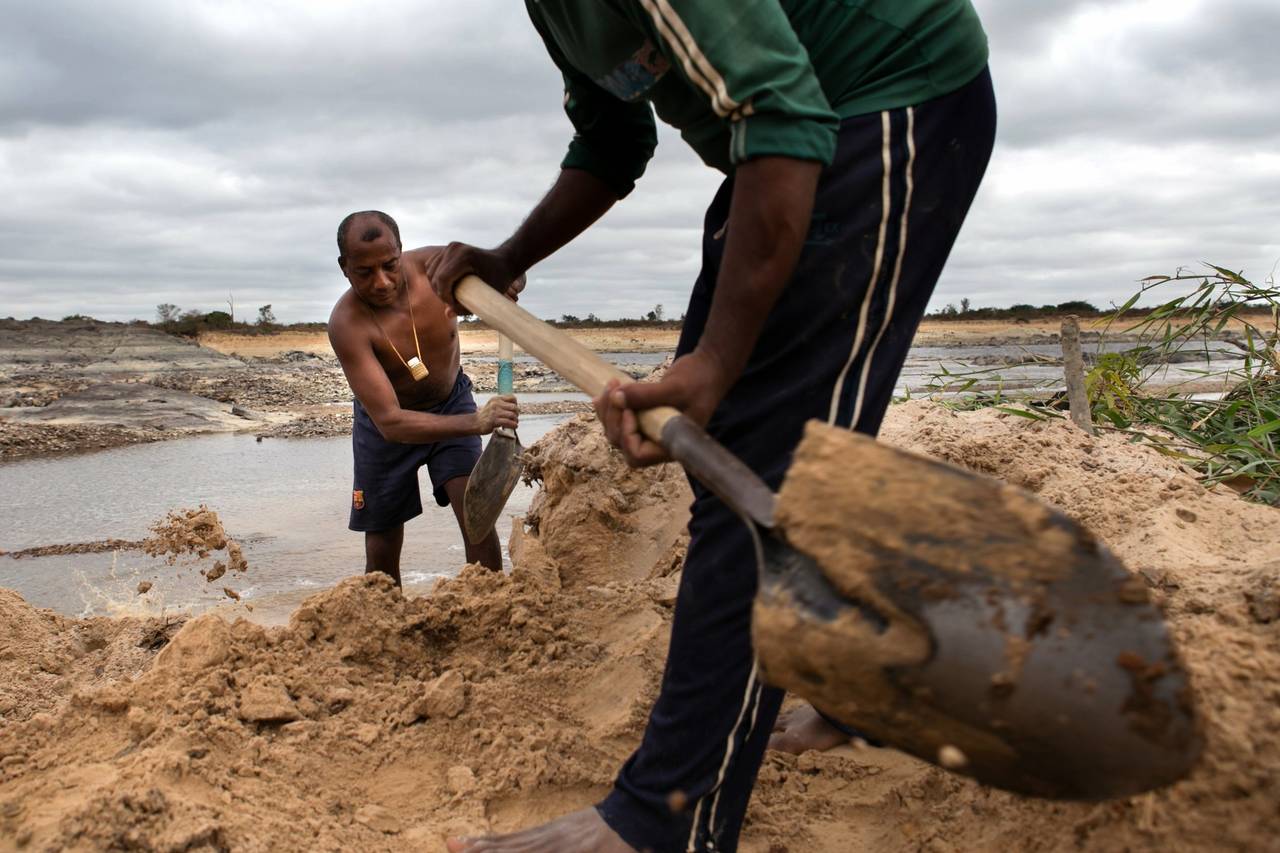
768 220
613 142
373 389
576 200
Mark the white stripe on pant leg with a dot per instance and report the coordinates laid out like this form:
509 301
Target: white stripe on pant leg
887 157
751 727
897 269
728 754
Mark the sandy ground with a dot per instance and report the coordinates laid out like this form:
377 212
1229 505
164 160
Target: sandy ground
472 341
375 722
643 339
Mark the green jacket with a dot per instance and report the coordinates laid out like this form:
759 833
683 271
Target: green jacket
745 78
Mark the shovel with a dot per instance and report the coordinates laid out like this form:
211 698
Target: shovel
942 612
498 469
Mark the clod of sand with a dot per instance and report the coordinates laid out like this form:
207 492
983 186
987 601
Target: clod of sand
461 779
144 587
378 819
192 531
230 593
264 702
444 697
1263 595
196 532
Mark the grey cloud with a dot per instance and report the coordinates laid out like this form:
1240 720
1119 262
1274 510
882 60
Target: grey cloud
163 64
163 152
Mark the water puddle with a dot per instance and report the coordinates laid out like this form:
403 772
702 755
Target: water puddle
285 500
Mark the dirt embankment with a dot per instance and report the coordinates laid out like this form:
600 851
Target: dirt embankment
372 722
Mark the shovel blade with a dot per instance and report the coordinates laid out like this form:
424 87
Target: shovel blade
981 630
490 485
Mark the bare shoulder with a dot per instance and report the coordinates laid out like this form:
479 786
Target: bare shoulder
346 322
419 256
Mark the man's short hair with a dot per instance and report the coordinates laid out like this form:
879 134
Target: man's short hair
370 233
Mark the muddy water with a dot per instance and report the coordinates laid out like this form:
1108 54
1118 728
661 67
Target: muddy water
285 501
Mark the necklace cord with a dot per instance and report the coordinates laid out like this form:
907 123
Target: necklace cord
412 322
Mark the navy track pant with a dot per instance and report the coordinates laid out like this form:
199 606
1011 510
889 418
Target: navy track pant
886 215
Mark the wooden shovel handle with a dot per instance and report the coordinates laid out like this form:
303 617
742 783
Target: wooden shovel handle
716 468
552 347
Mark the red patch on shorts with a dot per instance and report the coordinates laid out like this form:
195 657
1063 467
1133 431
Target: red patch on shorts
357 498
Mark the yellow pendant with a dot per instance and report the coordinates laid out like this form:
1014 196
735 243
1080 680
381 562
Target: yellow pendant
417 369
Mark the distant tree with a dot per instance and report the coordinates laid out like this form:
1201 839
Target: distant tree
569 319
1077 306
949 310
593 320
657 312
1023 309
166 313
217 320
964 305
266 317
651 317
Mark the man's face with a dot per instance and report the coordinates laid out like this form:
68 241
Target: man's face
373 268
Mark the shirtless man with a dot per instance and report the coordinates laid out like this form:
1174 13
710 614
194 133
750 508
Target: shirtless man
388 322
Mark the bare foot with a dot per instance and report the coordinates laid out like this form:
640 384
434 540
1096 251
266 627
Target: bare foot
803 729
582 831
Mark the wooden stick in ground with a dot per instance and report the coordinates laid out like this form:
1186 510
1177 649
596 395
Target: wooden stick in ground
1073 367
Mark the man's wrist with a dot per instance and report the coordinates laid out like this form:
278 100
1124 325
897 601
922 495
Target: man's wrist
512 257
726 363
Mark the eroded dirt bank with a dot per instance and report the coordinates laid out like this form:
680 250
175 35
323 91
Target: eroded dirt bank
372 722
87 385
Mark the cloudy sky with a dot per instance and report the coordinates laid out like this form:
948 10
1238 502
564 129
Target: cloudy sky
153 151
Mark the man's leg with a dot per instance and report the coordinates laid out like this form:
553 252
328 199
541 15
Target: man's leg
384 492
382 551
488 552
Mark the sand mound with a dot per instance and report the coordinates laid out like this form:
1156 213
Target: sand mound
597 516
374 722
44 656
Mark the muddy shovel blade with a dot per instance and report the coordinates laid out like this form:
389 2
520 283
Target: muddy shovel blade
495 475
982 630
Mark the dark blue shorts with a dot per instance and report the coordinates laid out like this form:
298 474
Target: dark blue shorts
385 491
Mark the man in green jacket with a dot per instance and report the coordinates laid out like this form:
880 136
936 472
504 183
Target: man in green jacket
854 136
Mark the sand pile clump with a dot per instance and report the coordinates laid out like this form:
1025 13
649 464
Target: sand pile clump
376 722
45 656
610 523
405 717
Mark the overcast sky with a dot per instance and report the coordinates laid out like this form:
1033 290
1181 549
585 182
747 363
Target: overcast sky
154 151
